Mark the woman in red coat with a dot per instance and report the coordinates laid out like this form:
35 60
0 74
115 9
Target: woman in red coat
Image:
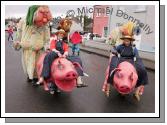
75 39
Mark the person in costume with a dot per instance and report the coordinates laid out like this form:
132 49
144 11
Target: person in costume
33 37
70 26
128 52
59 48
75 39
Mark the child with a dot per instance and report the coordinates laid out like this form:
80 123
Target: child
58 49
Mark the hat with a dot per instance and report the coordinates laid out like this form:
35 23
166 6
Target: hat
127 31
29 18
61 31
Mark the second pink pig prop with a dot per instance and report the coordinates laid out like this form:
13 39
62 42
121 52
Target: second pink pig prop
125 78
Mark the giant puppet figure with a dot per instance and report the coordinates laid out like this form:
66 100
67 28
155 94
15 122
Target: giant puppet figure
33 36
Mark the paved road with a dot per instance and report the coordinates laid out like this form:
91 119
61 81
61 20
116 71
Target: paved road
22 97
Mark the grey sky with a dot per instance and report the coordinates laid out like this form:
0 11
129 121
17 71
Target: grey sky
57 10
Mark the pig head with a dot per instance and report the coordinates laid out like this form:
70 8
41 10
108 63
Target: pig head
125 78
63 73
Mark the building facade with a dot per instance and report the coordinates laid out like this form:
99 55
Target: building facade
100 20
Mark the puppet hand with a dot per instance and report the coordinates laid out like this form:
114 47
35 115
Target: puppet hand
46 48
59 54
16 45
65 54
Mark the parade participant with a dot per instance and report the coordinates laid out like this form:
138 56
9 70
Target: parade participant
10 32
33 37
70 26
128 52
75 39
59 48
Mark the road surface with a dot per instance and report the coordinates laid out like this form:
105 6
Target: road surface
22 97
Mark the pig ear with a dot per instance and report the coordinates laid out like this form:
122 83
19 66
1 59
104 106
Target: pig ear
76 64
115 70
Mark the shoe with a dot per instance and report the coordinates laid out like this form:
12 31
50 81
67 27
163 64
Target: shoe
34 83
139 91
40 81
29 80
52 92
35 79
58 91
81 85
136 96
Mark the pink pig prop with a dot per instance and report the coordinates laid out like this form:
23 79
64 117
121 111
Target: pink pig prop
63 73
125 78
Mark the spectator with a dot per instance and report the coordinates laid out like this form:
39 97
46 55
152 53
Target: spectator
10 32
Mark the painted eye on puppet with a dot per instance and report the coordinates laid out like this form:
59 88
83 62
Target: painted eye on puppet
119 75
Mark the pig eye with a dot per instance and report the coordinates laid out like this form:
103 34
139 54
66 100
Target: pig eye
60 66
119 75
72 66
131 78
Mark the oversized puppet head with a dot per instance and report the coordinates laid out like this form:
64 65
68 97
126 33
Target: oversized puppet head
65 24
38 15
128 31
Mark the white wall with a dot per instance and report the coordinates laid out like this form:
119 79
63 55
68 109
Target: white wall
146 17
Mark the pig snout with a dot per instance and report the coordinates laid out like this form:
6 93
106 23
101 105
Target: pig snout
123 82
124 89
71 75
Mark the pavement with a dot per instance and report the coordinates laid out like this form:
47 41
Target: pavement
22 97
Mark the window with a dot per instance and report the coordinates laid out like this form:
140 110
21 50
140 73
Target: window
98 13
